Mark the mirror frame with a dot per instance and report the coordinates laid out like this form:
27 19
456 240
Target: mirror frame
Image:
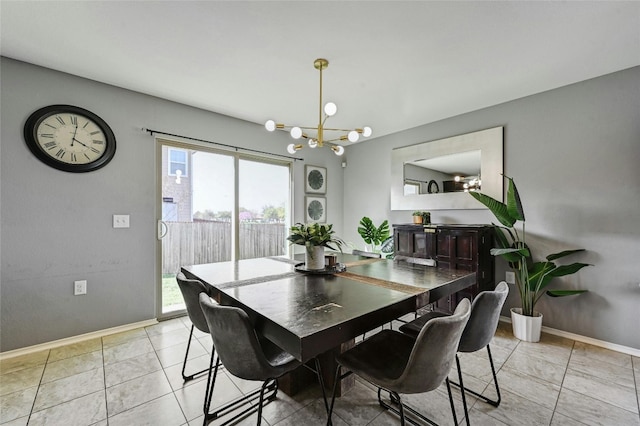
490 144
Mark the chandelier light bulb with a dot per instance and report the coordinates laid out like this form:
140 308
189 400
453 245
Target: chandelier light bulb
330 109
270 125
292 148
313 143
366 131
353 136
338 150
296 132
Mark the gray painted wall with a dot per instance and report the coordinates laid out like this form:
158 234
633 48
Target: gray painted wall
56 227
574 153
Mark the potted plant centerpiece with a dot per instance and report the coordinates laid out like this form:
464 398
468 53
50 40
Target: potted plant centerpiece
315 237
532 278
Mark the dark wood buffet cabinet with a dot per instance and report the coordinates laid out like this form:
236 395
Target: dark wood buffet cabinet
451 246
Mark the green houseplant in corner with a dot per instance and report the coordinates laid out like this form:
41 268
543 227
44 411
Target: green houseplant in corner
532 278
314 237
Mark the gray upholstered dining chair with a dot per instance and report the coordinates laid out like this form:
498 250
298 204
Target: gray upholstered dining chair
366 254
398 363
244 355
482 325
191 290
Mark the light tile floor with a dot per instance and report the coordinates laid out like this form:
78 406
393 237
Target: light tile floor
134 378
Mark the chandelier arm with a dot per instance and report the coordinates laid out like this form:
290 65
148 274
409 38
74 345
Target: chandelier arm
286 127
320 101
333 140
341 130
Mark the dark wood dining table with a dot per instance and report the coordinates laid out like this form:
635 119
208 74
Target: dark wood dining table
317 315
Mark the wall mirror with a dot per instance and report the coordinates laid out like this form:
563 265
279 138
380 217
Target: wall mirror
436 175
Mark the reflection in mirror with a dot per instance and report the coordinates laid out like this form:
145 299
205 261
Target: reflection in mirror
435 175
458 172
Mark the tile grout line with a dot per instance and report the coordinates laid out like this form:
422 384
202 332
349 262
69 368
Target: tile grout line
566 368
33 404
635 382
104 378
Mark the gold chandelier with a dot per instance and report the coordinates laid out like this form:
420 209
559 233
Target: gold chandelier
319 140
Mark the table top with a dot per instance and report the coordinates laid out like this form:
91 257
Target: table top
426 282
309 314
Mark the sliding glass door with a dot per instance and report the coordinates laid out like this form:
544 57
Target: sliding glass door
264 209
217 206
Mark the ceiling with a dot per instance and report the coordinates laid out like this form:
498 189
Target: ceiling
392 65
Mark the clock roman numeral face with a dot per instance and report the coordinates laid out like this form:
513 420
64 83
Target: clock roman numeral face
71 138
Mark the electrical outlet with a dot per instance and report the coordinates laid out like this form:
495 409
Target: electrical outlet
79 287
510 277
120 220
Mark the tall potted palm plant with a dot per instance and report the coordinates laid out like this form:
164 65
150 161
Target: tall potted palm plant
532 278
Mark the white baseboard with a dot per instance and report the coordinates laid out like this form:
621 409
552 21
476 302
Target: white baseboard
589 340
75 339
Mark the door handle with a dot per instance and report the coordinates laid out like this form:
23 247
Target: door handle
162 229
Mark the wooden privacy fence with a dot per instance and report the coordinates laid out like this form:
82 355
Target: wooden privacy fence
192 243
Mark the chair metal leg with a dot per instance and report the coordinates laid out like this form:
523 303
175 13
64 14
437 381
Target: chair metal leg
211 381
260 401
333 396
321 380
186 355
495 382
264 395
336 381
453 408
462 389
394 398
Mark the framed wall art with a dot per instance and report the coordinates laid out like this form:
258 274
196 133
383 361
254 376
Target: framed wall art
315 209
315 179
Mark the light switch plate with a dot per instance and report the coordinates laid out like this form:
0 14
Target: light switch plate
120 220
79 287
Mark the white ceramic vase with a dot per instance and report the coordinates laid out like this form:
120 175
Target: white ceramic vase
524 327
314 259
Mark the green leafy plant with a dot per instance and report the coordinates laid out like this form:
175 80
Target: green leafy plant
315 234
371 234
532 278
417 213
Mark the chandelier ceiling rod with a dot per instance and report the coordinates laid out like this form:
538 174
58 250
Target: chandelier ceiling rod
319 140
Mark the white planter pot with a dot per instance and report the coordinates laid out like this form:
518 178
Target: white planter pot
314 259
524 327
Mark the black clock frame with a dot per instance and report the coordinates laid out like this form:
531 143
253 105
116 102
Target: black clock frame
30 136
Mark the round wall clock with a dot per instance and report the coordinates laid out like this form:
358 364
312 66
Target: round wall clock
69 138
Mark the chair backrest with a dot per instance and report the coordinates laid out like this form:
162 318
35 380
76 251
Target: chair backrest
434 352
236 341
191 290
366 254
483 322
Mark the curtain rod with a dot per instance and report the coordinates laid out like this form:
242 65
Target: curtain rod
236 148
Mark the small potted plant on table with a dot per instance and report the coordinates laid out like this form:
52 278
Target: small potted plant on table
314 237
